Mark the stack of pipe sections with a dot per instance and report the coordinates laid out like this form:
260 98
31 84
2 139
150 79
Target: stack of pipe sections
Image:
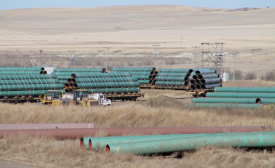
172 78
22 71
145 75
27 85
107 83
204 78
237 97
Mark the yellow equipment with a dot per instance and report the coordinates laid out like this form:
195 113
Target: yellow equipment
51 97
81 97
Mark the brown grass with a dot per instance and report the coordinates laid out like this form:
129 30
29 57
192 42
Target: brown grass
47 152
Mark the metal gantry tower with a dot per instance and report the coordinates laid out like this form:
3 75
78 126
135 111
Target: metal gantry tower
212 55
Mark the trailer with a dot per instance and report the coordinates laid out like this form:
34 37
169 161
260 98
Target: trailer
124 96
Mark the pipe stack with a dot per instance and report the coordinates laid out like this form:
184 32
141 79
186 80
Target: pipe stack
237 97
22 71
145 75
106 83
204 78
172 78
27 85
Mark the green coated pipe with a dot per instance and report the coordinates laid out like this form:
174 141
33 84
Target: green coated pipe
27 77
148 69
107 85
164 78
175 70
144 81
207 76
173 74
259 139
246 89
141 77
227 100
27 82
23 93
4 88
100 70
20 72
205 71
240 95
224 105
114 90
211 81
168 83
211 86
97 143
267 101
21 69
97 80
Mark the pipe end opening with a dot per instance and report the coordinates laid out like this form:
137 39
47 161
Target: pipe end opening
107 149
258 101
81 143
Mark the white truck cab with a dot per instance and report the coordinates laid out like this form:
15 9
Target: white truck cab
100 97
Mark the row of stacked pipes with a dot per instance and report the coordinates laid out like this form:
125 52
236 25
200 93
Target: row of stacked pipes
237 97
30 81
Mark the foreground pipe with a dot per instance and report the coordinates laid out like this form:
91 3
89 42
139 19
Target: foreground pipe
246 89
259 139
227 100
97 143
46 126
240 95
227 105
79 133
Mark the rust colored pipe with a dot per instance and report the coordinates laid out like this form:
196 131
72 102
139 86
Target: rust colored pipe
46 126
79 133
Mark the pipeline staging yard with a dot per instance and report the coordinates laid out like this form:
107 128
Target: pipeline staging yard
143 113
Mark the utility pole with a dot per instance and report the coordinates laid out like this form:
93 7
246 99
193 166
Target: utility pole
196 54
234 54
17 55
107 57
50 58
41 57
72 56
155 52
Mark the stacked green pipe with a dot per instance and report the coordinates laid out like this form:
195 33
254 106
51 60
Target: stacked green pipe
26 85
191 142
172 78
21 70
145 75
115 82
204 78
238 97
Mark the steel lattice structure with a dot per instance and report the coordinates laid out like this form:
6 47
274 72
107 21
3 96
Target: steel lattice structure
212 55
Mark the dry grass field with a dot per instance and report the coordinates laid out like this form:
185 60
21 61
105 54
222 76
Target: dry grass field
162 108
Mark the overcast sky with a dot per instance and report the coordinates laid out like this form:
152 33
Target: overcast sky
15 4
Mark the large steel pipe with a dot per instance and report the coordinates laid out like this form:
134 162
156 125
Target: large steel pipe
246 89
257 139
228 105
46 126
227 100
97 143
240 95
79 133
